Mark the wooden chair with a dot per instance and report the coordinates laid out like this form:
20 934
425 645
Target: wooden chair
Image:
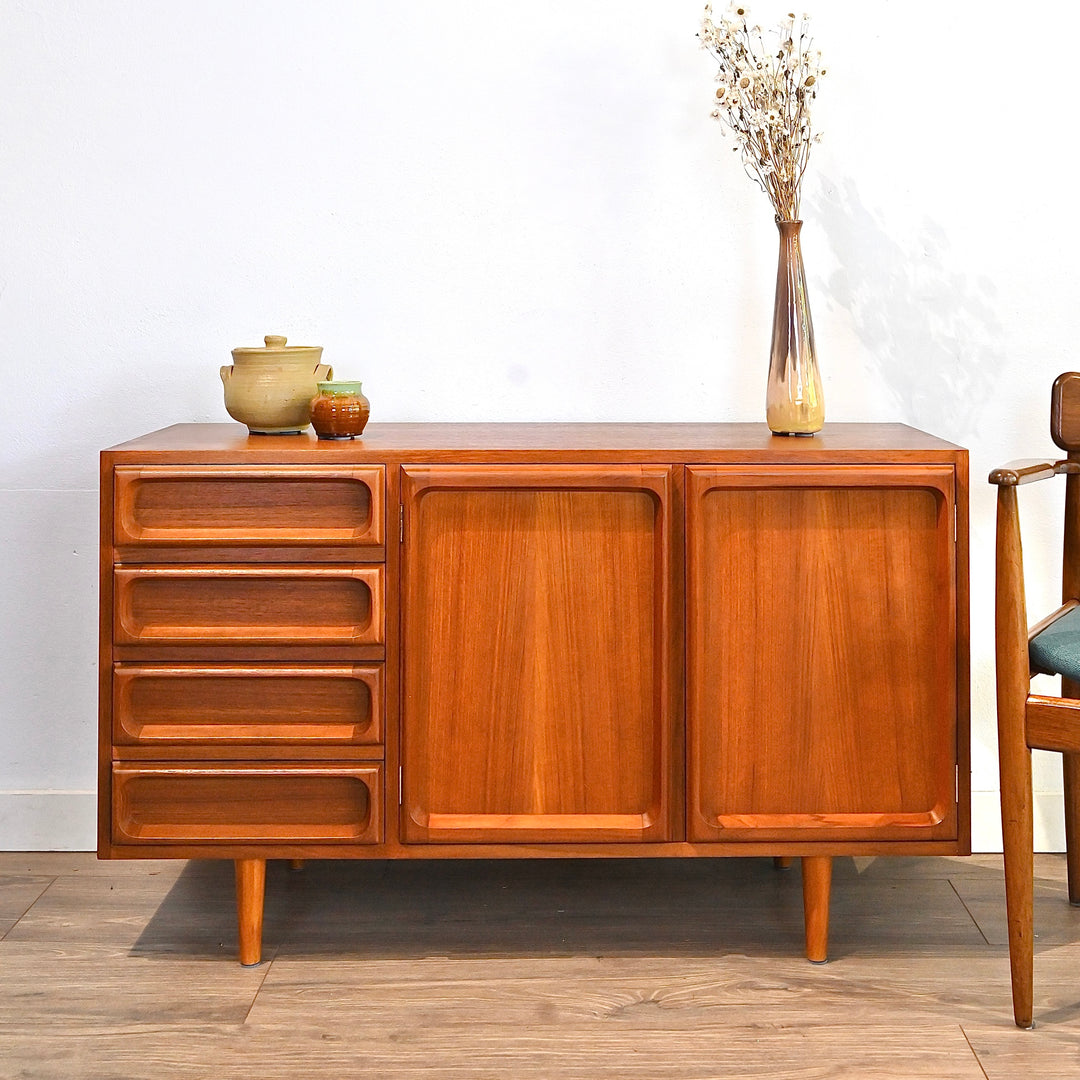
1027 720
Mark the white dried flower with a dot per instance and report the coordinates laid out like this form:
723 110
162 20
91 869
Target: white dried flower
766 84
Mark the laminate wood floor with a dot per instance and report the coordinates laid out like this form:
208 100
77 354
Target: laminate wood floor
577 970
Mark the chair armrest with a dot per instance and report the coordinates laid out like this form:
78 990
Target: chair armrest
1028 470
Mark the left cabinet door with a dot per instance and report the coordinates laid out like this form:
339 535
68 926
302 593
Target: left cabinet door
539 630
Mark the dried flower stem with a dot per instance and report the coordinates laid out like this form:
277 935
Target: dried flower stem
766 87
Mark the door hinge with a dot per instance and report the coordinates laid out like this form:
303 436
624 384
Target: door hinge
401 523
400 788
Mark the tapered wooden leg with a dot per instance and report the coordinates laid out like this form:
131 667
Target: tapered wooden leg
250 890
1071 766
1070 588
1018 841
816 882
1014 757
782 862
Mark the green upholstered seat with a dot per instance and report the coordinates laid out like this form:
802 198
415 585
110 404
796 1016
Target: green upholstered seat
1056 651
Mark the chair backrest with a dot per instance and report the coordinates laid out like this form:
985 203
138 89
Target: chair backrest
1065 412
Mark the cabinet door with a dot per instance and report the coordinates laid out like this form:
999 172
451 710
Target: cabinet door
822 696
539 694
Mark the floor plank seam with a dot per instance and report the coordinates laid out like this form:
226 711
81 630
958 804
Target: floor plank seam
262 982
26 910
974 1052
971 915
122 974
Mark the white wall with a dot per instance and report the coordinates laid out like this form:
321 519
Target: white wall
493 211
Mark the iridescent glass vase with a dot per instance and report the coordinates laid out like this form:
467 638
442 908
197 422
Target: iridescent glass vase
794 404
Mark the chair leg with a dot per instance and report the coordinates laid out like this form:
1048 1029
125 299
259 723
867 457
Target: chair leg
1014 757
1071 769
1018 837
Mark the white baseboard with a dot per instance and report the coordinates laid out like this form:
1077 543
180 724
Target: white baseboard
48 820
1048 812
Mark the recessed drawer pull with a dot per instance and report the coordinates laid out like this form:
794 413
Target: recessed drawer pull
229 605
163 804
254 705
159 505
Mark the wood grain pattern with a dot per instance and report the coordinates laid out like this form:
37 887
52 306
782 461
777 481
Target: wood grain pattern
538 654
1026 720
237 505
250 890
53 990
523 645
1070 589
17 895
822 696
1058 920
81 1000
549 442
1065 411
215 605
817 881
1071 783
571 1052
279 804
270 704
1052 724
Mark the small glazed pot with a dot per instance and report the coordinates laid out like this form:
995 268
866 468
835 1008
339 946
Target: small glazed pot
340 411
271 389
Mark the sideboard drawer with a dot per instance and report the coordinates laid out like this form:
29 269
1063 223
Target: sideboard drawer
296 506
166 804
265 605
251 705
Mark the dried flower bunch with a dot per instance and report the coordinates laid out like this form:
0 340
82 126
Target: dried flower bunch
767 82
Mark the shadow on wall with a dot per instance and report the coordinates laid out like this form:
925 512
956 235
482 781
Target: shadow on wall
931 334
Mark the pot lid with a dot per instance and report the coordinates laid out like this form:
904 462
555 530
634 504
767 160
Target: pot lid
276 344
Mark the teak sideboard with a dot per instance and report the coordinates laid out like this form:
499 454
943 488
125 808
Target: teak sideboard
534 640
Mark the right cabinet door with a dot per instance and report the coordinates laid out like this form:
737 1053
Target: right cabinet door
822 675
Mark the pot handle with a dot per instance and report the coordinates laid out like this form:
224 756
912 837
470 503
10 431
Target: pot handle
226 373
323 372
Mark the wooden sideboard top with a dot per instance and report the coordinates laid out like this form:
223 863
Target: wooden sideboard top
625 442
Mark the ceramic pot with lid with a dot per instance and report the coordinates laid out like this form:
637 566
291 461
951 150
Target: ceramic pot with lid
270 389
